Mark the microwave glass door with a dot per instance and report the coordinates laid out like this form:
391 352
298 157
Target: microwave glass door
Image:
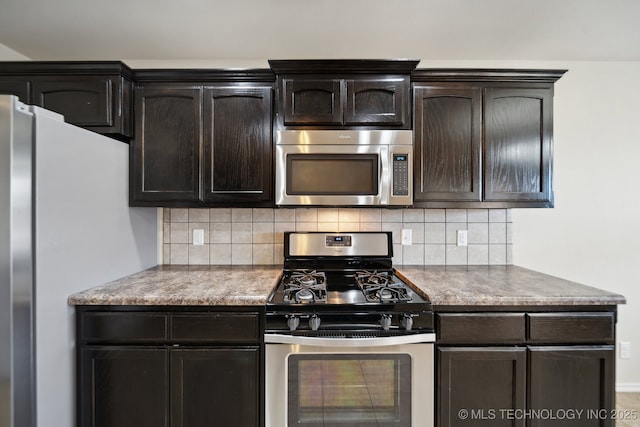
349 389
332 174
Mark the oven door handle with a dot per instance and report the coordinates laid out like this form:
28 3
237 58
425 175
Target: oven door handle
349 342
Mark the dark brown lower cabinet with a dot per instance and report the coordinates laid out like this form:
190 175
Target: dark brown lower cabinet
572 378
215 387
564 386
123 387
196 367
475 383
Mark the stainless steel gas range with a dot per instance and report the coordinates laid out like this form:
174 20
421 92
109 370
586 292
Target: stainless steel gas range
348 342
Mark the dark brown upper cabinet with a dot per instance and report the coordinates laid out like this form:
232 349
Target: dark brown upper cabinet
165 153
312 102
93 95
238 144
448 144
18 86
483 138
518 144
206 143
333 94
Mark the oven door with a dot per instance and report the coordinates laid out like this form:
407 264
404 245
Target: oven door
349 382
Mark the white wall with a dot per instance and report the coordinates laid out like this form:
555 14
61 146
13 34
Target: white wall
592 234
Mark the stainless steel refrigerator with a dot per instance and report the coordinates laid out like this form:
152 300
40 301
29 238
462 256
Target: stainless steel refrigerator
65 226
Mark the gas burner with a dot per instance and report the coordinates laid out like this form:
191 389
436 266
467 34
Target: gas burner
381 287
305 287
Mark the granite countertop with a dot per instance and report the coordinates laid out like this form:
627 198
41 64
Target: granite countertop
501 285
251 285
186 285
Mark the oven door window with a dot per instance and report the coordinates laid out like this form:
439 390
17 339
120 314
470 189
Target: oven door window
349 389
332 174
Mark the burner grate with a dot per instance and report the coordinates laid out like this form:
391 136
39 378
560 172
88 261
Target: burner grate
381 287
305 286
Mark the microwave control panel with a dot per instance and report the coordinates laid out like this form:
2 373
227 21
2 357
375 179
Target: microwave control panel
400 175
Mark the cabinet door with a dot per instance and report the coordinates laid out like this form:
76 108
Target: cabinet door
215 387
572 377
83 100
518 144
238 145
312 101
447 144
123 387
165 154
474 384
382 101
18 86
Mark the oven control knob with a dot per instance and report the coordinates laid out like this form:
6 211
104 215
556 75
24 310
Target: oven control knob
314 322
407 321
293 323
385 321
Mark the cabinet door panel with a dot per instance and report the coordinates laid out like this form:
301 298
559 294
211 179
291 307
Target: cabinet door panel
518 144
215 387
165 154
448 144
573 377
238 144
309 101
377 102
123 387
480 380
86 101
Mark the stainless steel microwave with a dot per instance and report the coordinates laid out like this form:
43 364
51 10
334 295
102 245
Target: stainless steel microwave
344 168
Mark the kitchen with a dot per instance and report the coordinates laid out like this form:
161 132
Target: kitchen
588 237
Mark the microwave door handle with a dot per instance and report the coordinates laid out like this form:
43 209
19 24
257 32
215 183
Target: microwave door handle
349 342
385 180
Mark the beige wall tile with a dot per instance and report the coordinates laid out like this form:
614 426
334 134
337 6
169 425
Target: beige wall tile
263 232
220 215
179 232
241 254
198 215
179 253
435 215
348 215
220 254
220 232
262 254
285 215
434 254
456 255
241 232
435 233
241 215
198 255
306 215
263 215
328 215
179 215
259 233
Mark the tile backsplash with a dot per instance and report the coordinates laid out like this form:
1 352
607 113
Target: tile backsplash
255 236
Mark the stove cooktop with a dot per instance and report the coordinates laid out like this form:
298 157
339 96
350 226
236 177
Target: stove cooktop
306 289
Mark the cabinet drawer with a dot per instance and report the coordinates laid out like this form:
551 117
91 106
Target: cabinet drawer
486 328
215 328
123 327
571 327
